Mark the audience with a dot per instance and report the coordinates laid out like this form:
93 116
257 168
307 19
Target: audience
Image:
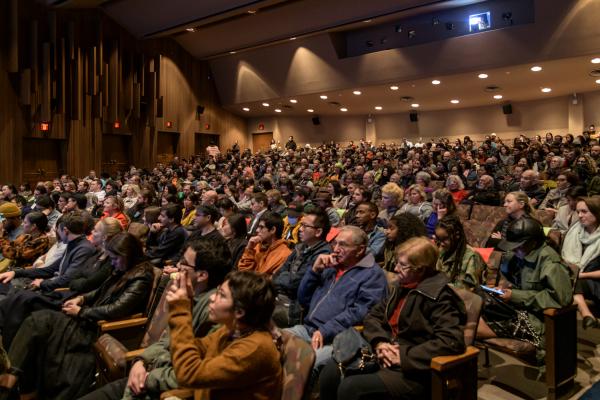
405 341
166 236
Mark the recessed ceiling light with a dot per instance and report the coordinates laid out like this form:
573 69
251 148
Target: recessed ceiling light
343 109
357 92
498 96
293 38
595 60
266 104
454 101
394 87
310 110
232 52
415 105
366 21
190 29
482 76
323 97
246 109
277 110
378 108
251 11
536 68
293 101
598 81
546 90
435 82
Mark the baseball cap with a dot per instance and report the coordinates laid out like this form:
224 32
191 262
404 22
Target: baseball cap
520 232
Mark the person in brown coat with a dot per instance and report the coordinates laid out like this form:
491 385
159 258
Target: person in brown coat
422 318
237 361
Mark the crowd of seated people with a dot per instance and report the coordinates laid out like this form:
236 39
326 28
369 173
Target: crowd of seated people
318 239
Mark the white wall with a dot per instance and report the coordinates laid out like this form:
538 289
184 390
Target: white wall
529 118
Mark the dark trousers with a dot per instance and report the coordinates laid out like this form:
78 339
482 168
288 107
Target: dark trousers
111 391
366 386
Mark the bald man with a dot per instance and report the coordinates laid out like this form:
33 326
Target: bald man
209 198
530 184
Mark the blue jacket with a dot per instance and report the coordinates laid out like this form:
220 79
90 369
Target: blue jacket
335 306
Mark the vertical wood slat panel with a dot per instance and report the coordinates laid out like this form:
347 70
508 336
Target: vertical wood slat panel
13 41
34 56
137 90
46 83
62 107
25 87
93 71
113 79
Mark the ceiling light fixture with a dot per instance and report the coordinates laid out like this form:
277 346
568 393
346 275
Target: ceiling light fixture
498 96
246 109
436 82
536 68
343 109
266 104
293 101
278 110
598 81
454 101
546 90
595 60
323 97
190 29
482 76
415 105
310 110
394 87
252 12
232 52
357 92
378 108
293 38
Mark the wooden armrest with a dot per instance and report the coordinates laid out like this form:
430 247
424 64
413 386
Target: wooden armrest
443 363
359 328
555 312
130 355
106 326
61 289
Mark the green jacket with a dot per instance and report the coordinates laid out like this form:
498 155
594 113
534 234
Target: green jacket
539 281
471 272
157 357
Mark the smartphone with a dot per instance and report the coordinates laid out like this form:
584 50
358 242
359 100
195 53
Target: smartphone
492 290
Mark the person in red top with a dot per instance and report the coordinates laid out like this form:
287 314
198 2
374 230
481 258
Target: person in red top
113 207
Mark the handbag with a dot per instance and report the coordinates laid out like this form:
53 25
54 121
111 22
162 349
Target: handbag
353 354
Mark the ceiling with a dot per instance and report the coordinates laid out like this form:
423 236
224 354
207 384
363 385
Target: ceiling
515 84
254 61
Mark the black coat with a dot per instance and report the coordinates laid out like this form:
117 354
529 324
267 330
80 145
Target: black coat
430 325
54 350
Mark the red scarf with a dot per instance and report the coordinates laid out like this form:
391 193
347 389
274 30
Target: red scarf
393 321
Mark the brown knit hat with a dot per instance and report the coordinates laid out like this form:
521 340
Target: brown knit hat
9 210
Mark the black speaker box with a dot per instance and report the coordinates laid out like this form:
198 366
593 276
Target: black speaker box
316 121
414 117
507 109
200 110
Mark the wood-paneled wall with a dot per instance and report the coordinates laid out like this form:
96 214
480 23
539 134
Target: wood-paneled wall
81 72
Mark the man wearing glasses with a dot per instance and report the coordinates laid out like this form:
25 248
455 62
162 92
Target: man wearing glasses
313 231
338 291
266 251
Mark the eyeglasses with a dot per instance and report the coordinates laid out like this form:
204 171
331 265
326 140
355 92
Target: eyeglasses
183 265
303 225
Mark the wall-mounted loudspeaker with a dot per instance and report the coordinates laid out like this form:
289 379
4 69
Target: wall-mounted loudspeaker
507 109
414 117
200 110
316 120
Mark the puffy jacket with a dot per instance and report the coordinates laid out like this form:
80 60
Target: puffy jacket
337 305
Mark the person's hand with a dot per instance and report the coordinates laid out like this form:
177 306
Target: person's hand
324 261
37 282
75 301
71 309
497 235
388 354
533 202
507 294
136 381
253 241
6 277
156 227
169 269
317 340
180 288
